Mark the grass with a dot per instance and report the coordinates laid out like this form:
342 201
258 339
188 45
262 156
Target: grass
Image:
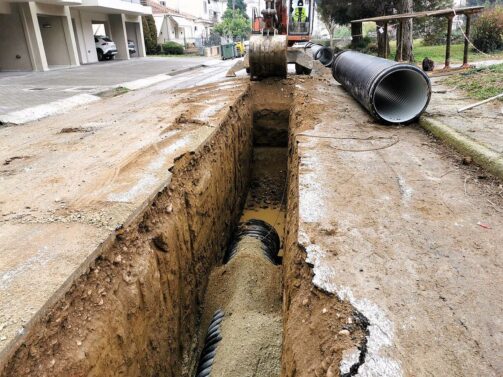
120 90
479 83
169 56
437 53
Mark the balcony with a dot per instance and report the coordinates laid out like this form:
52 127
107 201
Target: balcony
132 7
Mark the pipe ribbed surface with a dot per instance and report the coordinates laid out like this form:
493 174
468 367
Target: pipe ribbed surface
258 229
213 337
392 92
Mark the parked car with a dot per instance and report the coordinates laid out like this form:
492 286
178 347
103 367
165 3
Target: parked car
105 47
131 47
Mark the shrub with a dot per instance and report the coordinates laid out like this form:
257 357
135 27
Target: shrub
488 30
172 48
361 44
150 35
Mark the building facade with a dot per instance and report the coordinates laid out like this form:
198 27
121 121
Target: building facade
186 22
47 34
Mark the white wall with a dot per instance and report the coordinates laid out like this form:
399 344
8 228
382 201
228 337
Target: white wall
53 38
118 35
132 31
14 54
192 7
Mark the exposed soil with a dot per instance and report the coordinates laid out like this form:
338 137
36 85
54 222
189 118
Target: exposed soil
136 311
144 305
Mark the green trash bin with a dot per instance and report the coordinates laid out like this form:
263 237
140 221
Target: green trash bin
227 51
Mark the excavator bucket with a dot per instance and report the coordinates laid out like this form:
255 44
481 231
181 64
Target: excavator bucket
268 56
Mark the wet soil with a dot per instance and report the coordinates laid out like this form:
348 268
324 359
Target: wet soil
267 195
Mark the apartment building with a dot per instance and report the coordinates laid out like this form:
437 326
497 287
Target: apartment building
47 34
186 22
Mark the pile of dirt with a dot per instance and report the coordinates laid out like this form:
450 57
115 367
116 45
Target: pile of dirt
248 290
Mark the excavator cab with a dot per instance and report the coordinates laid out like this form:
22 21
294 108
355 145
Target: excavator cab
300 20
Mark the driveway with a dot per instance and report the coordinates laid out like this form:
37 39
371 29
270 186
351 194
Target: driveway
20 90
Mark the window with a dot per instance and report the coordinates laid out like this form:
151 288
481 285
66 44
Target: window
205 7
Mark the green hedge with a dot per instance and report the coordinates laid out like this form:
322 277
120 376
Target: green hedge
488 30
172 48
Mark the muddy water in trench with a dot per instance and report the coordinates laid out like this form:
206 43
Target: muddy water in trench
248 288
266 198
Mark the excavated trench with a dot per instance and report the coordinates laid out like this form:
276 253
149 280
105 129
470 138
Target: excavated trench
245 292
174 296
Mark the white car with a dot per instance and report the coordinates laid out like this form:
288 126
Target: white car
105 47
131 46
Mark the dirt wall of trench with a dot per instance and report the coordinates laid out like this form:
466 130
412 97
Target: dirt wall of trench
136 311
315 323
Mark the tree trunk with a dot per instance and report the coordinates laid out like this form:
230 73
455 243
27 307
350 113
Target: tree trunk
331 31
382 46
404 43
382 42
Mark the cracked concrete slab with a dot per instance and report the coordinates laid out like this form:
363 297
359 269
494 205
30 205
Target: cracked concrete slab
391 223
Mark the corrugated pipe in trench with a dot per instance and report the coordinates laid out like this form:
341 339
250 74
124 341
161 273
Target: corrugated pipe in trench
246 340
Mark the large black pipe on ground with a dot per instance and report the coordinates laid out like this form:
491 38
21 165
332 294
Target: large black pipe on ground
392 92
322 53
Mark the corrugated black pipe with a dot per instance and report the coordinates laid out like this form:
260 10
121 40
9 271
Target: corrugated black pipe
322 53
392 92
213 337
270 242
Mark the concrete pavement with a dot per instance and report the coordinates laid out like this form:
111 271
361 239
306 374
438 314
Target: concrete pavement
412 240
477 132
92 171
19 91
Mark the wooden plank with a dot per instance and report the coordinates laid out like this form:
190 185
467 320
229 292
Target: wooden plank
434 13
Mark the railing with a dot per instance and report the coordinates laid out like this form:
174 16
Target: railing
135 1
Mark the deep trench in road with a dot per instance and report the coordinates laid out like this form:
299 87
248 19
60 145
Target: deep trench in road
149 300
246 290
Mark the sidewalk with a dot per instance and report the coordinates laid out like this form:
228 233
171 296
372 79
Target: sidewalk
477 132
21 90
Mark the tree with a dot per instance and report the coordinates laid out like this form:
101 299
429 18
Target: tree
150 34
432 29
237 5
234 24
330 24
404 42
343 11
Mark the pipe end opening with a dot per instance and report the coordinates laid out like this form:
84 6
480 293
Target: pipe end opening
401 95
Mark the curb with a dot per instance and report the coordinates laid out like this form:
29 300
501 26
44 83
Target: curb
483 156
34 113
